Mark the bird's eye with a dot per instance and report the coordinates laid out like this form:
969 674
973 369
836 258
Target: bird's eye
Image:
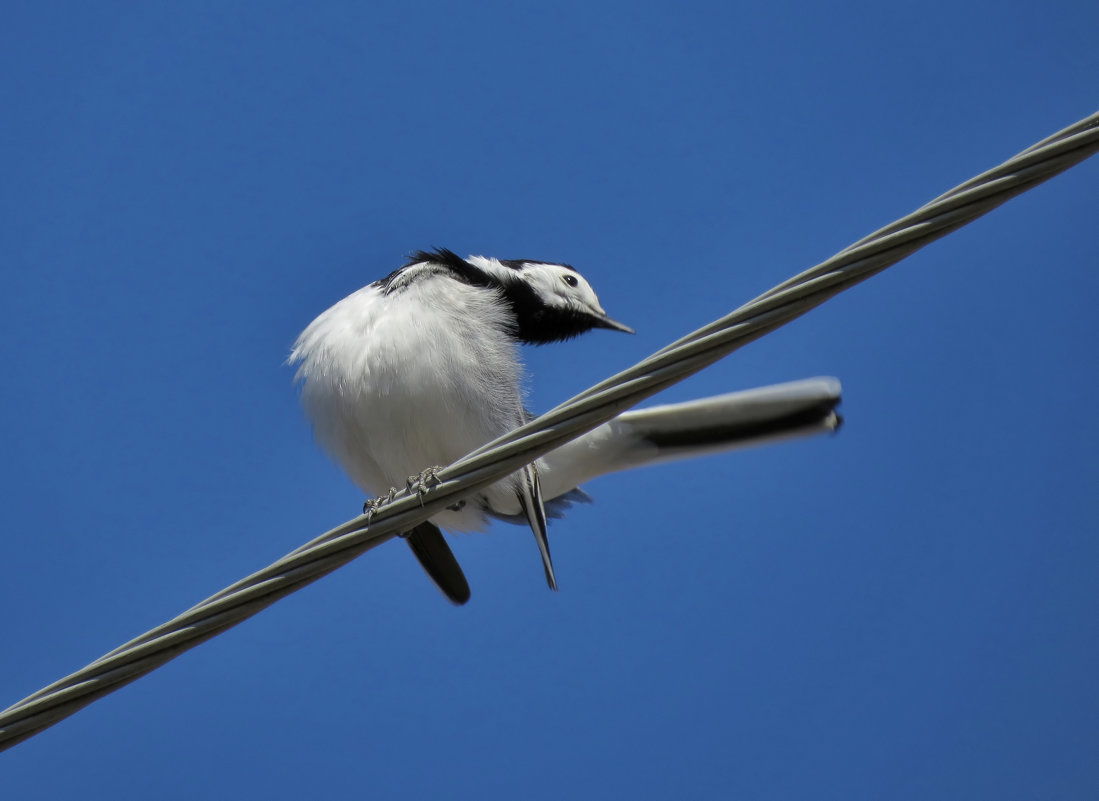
569 279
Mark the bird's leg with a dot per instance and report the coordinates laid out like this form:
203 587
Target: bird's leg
418 485
424 481
372 505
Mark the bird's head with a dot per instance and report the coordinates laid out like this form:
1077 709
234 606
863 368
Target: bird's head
553 301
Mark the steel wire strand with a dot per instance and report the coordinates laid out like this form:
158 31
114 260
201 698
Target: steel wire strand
605 400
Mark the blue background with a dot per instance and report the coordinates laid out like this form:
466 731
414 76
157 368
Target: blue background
906 610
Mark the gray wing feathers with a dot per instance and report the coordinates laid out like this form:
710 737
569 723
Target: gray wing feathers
638 438
685 430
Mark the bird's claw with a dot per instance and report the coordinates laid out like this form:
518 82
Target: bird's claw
372 505
419 485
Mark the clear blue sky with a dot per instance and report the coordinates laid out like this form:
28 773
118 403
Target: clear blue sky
906 610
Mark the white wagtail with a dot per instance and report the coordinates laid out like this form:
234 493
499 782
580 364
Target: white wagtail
422 367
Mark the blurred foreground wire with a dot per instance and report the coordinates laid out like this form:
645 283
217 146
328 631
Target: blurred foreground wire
582 413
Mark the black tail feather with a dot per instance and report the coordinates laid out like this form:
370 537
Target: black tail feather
437 560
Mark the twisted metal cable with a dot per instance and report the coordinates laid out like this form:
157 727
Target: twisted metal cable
605 400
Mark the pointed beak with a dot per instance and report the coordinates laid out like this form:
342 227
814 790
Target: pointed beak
603 321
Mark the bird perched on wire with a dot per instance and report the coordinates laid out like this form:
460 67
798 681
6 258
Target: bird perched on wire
422 367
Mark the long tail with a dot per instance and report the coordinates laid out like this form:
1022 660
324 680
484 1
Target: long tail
530 498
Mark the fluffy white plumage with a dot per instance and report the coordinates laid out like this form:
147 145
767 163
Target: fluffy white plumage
420 368
396 383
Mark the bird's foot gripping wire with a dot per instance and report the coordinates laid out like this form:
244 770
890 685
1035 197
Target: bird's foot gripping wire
372 505
424 481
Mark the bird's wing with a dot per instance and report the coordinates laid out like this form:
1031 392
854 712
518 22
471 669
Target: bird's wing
436 558
696 428
530 498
